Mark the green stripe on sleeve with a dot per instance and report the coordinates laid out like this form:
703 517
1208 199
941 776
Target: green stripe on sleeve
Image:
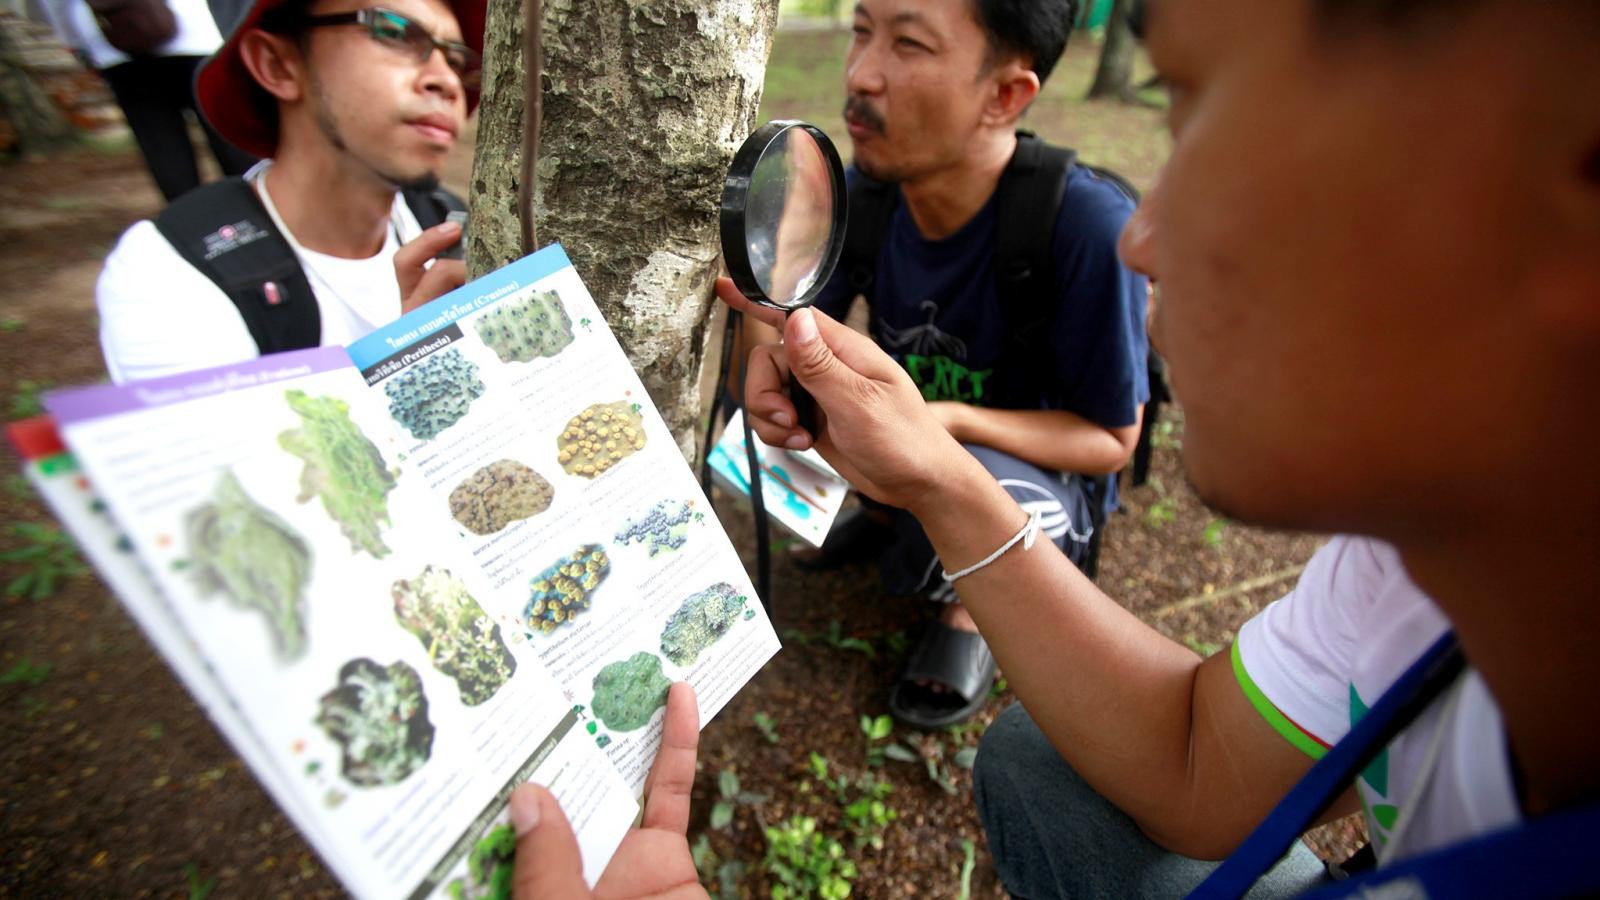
1279 722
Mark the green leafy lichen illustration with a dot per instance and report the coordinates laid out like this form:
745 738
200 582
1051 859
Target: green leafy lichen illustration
343 467
489 867
461 640
379 718
246 552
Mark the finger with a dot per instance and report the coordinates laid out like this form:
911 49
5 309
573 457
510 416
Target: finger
666 791
411 260
736 300
444 276
547 862
766 396
859 353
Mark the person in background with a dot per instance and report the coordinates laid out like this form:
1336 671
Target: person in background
155 90
1046 392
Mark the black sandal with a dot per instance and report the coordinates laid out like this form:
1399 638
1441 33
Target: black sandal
959 660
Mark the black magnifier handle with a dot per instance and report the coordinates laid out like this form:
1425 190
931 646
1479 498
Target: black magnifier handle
805 407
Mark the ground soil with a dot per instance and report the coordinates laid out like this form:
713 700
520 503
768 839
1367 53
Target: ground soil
115 784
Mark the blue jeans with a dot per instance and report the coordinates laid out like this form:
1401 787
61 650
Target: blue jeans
1052 836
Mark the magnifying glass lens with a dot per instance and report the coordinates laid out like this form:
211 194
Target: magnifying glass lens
789 217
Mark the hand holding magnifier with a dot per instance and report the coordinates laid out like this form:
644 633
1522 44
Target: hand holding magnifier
783 223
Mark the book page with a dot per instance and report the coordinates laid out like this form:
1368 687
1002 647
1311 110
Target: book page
273 506
545 463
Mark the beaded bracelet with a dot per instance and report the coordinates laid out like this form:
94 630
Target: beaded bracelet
1029 531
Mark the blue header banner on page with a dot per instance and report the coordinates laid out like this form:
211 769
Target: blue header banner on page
417 325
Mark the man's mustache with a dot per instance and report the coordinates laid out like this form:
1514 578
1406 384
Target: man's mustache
861 111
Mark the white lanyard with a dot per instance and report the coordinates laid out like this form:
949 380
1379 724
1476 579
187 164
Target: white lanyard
258 178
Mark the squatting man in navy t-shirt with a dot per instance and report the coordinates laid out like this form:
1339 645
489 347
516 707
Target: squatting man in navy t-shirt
934 95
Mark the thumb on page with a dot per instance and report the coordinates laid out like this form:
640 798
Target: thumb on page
548 864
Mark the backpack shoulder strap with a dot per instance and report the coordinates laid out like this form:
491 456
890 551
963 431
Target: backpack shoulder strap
1028 202
432 206
224 232
871 205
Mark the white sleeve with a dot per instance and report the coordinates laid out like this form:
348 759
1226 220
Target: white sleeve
1299 653
160 316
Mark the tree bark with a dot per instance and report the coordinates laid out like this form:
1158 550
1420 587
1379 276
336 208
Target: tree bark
1114 76
645 103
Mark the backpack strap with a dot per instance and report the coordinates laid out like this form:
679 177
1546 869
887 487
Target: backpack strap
224 232
871 205
1028 202
432 206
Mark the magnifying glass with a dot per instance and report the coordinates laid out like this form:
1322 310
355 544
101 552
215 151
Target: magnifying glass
783 222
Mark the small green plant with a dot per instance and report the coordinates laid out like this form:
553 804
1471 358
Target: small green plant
804 863
998 688
876 731
26 402
869 816
936 760
720 878
19 487
1161 513
198 889
26 672
968 863
1166 437
46 557
12 324
897 643
1204 648
834 637
1214 531
729 798
768 727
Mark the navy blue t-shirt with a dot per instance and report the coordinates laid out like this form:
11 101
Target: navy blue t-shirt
935 310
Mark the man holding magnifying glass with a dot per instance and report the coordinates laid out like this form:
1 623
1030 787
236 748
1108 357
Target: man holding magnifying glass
935 92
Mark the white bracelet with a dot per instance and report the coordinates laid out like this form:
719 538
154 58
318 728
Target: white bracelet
1026 536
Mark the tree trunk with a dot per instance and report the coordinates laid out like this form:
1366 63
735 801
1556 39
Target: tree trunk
645 102
1114 76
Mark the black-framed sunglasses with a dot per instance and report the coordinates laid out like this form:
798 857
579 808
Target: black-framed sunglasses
394 30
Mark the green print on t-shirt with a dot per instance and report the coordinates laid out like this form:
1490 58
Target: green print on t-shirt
942 378
1376 775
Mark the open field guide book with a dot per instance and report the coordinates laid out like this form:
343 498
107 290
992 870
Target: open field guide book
405 576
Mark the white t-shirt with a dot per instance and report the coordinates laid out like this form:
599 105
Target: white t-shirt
1316 660
160 316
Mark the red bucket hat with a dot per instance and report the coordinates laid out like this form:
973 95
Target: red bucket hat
241 111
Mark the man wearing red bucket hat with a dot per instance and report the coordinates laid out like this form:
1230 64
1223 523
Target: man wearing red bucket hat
354 108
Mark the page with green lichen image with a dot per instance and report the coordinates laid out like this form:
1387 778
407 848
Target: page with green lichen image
464 551
561 483
374 687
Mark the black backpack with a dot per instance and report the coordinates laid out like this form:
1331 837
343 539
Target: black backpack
224 231
1028 202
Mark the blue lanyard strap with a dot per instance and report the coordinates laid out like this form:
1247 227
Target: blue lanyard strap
1551 856
1333 774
